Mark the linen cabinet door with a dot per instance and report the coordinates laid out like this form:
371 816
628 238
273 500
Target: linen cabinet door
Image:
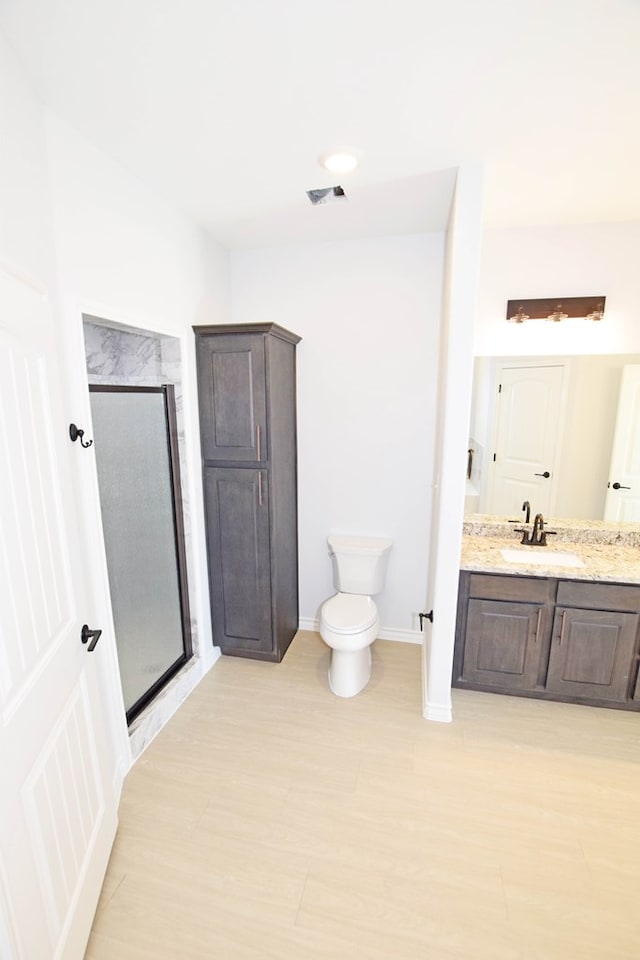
237 508
232 398
591 654
502 644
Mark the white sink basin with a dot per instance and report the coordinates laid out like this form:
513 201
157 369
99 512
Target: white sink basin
543 557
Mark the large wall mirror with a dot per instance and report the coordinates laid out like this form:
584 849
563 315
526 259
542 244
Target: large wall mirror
542 429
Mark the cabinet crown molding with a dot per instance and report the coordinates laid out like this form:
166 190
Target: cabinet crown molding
274 329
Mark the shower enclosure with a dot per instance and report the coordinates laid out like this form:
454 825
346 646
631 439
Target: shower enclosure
136 450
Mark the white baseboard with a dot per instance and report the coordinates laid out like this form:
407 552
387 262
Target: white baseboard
387 633
439 712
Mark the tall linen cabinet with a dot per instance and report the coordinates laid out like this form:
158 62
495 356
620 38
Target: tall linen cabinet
247 402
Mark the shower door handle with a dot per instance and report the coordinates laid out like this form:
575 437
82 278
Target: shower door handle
90 636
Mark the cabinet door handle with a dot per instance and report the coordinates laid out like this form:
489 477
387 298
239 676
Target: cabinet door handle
260 487
562 625
258 457
536 634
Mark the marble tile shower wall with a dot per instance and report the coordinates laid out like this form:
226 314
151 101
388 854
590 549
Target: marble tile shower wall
123 358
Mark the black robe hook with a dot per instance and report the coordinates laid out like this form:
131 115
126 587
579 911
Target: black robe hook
76 434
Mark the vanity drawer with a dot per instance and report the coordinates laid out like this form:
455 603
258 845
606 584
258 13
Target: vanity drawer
599 596
526 589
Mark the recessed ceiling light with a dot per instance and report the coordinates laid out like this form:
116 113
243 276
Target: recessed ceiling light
339 161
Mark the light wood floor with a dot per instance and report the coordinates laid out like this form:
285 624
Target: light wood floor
272 820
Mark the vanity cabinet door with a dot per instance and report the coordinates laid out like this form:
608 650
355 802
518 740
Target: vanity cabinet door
502 644
591 654
232 398
237 508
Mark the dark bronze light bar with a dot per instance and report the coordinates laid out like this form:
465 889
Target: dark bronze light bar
556 308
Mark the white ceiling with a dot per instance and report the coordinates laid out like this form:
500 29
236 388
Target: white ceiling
223 106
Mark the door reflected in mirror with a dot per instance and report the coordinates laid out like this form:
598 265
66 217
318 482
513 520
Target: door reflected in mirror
542 429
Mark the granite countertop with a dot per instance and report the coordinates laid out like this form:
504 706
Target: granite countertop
609 552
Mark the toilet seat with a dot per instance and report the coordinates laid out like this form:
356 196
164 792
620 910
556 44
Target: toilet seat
348 613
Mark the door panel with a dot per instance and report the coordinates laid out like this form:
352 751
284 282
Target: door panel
623 503
62 803
57 803
231 385
528 413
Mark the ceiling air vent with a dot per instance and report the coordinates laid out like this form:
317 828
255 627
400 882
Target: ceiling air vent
326 195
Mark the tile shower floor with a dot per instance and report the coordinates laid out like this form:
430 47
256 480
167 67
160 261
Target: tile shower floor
269 819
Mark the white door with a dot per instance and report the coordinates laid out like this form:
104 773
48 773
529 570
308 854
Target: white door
623 493
58 763
528 417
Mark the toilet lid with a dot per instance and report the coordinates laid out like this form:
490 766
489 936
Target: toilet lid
349 613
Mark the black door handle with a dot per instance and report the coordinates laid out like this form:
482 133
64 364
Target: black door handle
618 486
87 635
546 474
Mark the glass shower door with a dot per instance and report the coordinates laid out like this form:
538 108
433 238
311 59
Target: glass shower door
135 441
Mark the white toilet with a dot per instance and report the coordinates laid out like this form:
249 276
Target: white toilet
349 621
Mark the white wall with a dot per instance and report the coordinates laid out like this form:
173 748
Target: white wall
125 256
26 242
118 244
580 260
93 238
368 312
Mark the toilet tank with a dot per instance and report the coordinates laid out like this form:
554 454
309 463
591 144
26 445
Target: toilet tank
359 563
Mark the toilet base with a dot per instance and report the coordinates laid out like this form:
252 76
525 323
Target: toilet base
349 671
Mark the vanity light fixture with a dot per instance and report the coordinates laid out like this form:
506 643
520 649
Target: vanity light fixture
556 309
557 314
519 316
598 313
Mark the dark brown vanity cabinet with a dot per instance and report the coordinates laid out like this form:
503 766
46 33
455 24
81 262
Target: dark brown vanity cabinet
542 637
246 395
